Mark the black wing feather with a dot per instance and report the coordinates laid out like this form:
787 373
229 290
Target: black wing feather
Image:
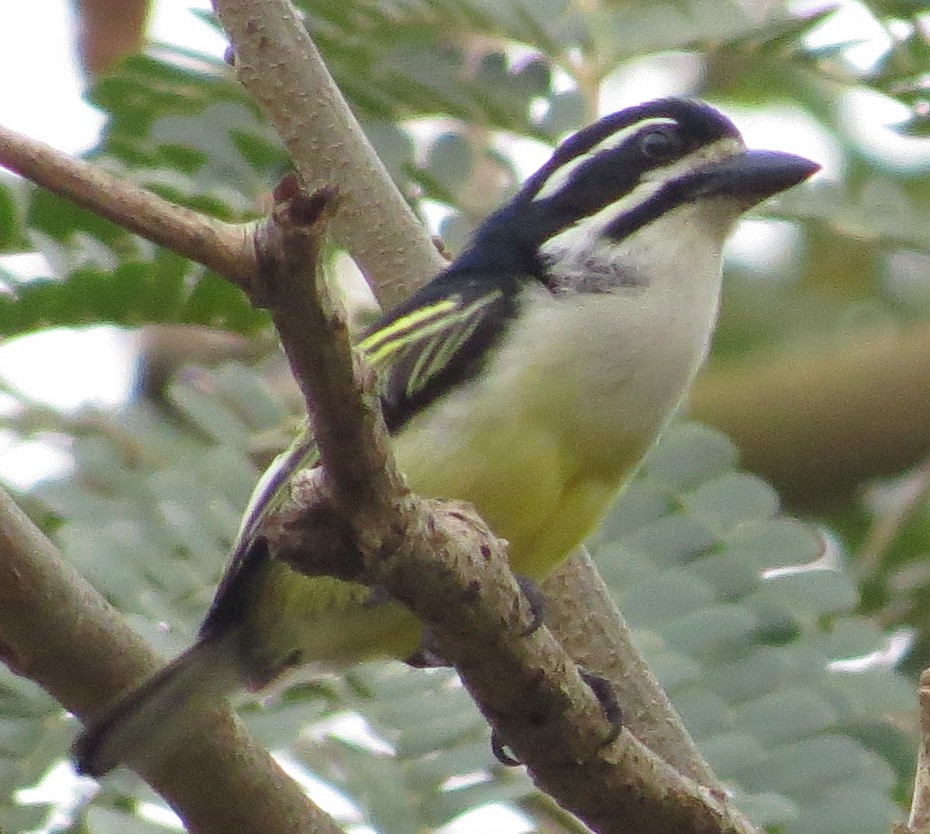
435 340
438 339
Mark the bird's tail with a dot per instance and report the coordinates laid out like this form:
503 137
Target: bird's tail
155 716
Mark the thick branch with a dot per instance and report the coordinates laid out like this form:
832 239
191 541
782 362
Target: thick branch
444 564
58 631
279 65
581 612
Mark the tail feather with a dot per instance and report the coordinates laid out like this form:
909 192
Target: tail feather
154 717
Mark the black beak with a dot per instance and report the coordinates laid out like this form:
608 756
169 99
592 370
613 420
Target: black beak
745 179
752 176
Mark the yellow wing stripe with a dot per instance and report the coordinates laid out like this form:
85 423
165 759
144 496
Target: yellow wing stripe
450 346
387 339
435 332
416 372
445 341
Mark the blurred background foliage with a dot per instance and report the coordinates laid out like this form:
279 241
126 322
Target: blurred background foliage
787 655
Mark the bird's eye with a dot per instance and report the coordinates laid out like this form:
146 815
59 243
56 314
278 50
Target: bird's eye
661 143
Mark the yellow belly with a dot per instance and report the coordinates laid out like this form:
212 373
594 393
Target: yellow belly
542 501
540 469
529 481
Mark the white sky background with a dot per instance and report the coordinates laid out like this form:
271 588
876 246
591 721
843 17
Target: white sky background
37 50
40 95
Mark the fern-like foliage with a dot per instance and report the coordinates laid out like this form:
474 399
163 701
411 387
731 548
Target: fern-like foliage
741 614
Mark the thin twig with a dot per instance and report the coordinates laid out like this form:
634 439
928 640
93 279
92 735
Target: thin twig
224 247
347 427
888 524
919 820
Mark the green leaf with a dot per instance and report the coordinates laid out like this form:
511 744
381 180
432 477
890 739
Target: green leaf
131 294
731 499
11 233
779 717
665 595
689 455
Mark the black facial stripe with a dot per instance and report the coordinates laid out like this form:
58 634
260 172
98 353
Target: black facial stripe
509 240
674 193
607 177
699 123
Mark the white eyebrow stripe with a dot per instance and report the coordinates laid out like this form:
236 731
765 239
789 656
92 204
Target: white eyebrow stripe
563 173
715 151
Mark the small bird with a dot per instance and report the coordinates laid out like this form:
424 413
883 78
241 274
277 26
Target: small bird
529 378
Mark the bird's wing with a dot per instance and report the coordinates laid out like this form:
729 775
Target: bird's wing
433 341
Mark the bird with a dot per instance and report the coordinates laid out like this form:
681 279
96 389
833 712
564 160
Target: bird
529 378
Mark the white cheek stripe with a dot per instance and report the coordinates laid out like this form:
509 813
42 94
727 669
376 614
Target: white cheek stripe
723 148
584 235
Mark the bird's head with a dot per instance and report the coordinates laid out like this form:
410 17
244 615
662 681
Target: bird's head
667 170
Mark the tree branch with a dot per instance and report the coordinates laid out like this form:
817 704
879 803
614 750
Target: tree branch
58 631
582 613
279 65
303 116
223 247
793 421
440 560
